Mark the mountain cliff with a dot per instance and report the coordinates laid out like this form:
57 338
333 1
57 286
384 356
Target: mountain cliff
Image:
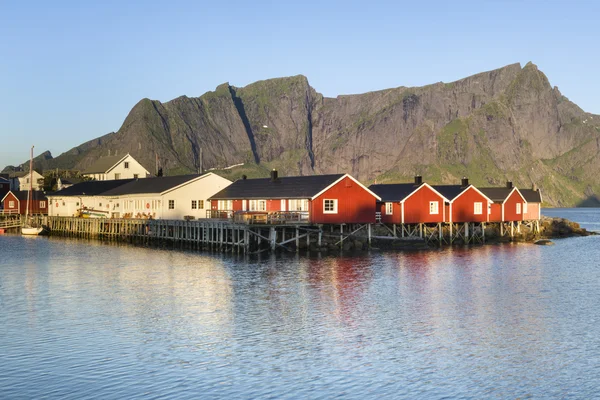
505 124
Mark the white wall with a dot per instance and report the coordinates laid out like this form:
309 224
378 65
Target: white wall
38 182
127 173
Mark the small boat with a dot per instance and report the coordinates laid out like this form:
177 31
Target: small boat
30 228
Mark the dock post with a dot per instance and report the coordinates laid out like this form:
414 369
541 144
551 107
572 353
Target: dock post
320 236
466 225
273 237
297 239
369 235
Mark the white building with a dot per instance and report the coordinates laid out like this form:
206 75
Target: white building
115 168
23 181
170 197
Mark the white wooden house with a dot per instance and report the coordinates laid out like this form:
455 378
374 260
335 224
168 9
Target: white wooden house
170 197
115 168
23 180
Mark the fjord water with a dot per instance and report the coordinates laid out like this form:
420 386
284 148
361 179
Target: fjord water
85 319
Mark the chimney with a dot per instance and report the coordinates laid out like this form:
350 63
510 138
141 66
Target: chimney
418 179
273 175
244 177
534 187
509 185
464 182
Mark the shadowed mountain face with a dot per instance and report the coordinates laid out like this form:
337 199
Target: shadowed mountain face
506 124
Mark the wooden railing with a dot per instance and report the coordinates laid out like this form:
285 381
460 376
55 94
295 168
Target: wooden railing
260 217
9 212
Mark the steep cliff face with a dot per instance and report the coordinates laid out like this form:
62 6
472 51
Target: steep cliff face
506 124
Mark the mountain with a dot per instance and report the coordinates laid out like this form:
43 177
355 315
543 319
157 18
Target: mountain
505 124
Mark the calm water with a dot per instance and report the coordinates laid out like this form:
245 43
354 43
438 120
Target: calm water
89 320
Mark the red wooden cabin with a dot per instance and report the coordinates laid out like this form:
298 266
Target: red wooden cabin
509 204
17 202
319 199
467 203
410 203
533 207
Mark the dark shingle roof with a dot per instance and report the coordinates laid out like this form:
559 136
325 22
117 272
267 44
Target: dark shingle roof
3 180
290 187
19 174
70 181
103 164
496 194
449 191
90 188
150 185
531 196
35 194
393 191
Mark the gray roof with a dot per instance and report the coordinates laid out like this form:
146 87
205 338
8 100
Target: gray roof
496 194
70 181
531 196
150 185
35 194
449 191
393 191
103 164
90 188
290 187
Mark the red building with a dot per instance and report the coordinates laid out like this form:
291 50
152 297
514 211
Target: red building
509 204
317 199
4 187
467 203
533 207
410 203
17 202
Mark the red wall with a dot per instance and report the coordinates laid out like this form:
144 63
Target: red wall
463 207
355 204
395 218
510 207
532 211
34 205
416 207
496 215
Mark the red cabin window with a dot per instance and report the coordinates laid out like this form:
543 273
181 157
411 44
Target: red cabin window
330 206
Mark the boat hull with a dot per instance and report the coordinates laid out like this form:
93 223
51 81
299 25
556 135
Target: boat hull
31 231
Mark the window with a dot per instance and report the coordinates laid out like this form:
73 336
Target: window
225 204
258 205
298 205
283 202
117 176
524 208
99 204
478 210
11 204
434 207
171 204
194 204
518 208
27 180
135 176
42 204
389 208
200 204
126 165
330 206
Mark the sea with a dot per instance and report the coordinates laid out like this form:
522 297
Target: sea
86 319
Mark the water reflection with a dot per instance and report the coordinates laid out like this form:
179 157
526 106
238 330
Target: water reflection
120 321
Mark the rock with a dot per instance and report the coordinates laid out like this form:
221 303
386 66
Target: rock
544 242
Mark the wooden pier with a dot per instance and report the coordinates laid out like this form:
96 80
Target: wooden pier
228 235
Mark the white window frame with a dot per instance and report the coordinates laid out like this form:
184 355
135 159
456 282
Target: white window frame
117 176
298 205
244 205
478 208
200 204
283 204
171 204
518 208
225 205
42 204
389 208
524 208
434 207
330 208
194 204
258 205
11 204
126 165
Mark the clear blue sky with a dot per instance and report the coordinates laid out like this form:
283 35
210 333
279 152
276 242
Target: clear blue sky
70 71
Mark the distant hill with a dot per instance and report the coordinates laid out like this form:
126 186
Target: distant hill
505 124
